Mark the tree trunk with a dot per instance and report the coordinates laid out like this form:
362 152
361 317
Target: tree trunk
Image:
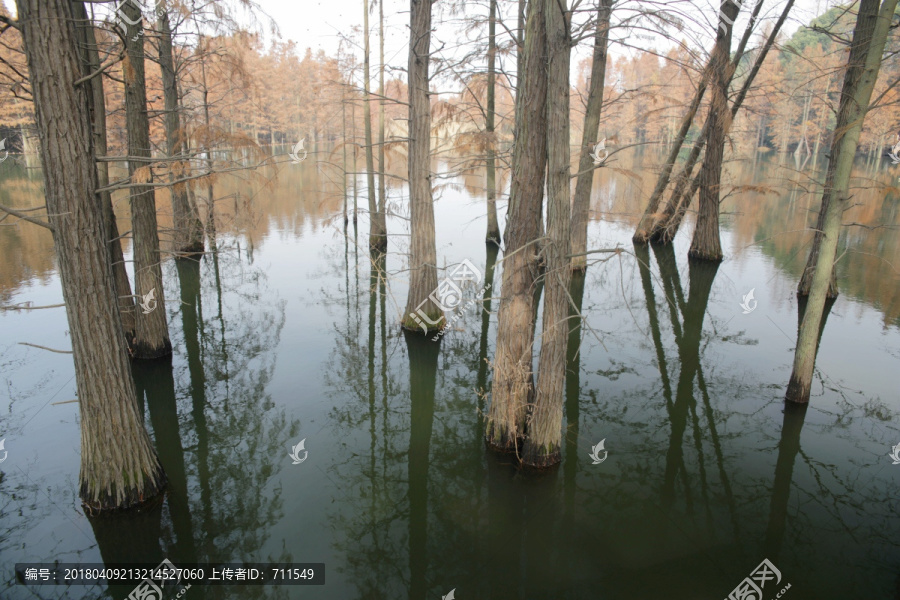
119 467
377 233
421 310
511 388
188 238
863 64
91 63
582 203
706 244
493 226
382 187
151 339
544 430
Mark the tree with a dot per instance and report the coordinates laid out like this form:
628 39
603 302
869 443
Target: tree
544 428
377 228
151 335
493 226
420 308
706 243
582 202
119 467
188 229
511 389
863 63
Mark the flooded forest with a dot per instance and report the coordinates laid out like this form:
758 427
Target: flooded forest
449 299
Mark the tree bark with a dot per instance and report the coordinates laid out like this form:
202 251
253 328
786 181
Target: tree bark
119 467
493 226
188 238
91 63
382 187
151 339
511 389
544 429
582 202
421 310
863 64
706 244
377 229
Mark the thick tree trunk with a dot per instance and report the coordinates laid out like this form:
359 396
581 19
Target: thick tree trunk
511 389
544 431
90 64
188 238
421 311
151 335
493 226
119 467
706 244
863 64
377 229
582 202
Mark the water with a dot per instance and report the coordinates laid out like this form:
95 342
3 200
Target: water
288 334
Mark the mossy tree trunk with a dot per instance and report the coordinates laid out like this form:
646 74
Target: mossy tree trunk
511 389
544 429
421 311
863 64
119 467
585 183
151 335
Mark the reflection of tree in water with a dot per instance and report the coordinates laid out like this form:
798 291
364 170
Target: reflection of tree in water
220 447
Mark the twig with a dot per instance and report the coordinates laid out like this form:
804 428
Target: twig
45 348
20 307
25 217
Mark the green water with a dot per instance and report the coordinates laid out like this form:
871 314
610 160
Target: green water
289 333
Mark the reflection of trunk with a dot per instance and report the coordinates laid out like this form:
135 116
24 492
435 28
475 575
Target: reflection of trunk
156 381
863 64
481 382
582 202
129 539
91 63
511 387
493 227
151 335
544 432
504 538
423 362
188 236
706 244
701 277
119 467
377 233
573 397
421 311
788 448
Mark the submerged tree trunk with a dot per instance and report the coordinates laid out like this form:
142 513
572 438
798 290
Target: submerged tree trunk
421 311
119 467
91 64
493 226
377 233
511 389
188 235
151 335
863 64
706 244
544 430
582 202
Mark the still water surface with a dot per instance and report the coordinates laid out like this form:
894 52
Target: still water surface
289 333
